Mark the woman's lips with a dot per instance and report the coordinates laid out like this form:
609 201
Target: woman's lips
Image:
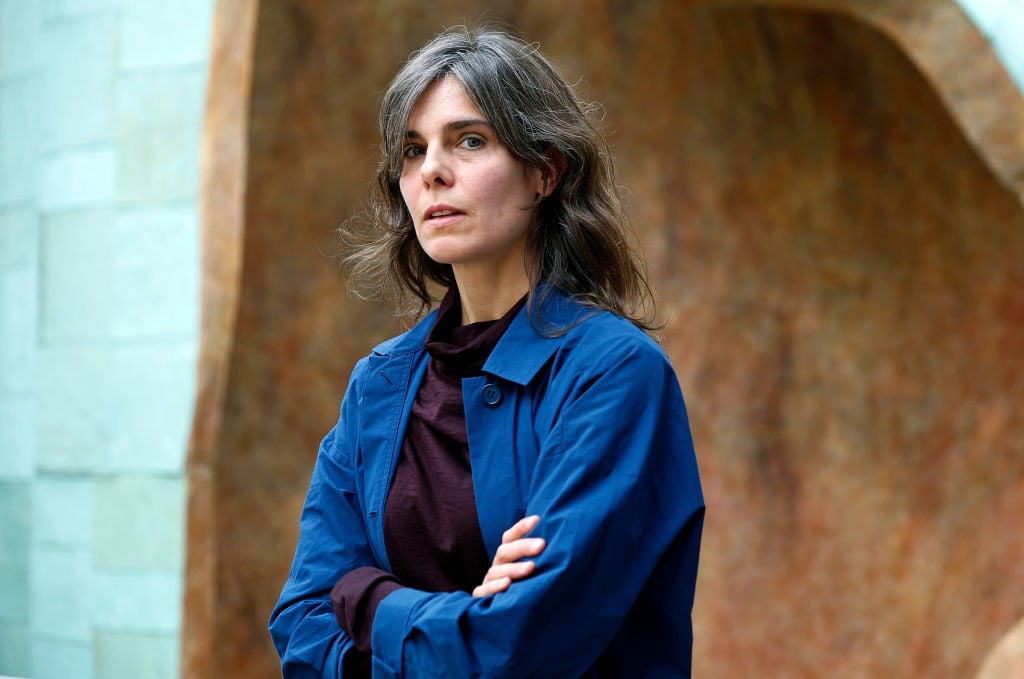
442 215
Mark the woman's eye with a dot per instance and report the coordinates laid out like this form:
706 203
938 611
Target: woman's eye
472 142
412 151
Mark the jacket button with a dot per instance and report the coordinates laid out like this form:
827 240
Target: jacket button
491 394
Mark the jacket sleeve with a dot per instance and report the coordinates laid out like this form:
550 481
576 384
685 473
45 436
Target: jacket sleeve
616 486
332 541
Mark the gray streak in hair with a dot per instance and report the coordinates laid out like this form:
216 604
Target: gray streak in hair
581 244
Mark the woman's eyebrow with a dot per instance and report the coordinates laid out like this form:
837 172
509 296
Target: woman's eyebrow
452 126
468 122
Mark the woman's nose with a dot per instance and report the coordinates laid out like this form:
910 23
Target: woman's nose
436 168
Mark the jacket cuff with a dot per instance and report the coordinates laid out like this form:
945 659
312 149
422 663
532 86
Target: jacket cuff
354 599
389 629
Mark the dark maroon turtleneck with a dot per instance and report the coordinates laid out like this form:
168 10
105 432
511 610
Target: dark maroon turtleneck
431 529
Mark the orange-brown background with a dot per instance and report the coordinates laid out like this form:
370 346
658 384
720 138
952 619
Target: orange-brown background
828 193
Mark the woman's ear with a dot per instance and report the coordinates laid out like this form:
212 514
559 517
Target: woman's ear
552 173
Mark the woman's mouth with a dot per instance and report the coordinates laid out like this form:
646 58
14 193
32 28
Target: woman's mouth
440 215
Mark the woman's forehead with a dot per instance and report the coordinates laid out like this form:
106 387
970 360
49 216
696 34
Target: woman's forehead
444 96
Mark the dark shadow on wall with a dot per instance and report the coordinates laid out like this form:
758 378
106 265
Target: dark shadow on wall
838 252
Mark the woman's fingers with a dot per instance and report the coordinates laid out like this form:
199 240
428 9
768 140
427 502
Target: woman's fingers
492 587
507 566
518 549
512 571
499 578
515 546
520 528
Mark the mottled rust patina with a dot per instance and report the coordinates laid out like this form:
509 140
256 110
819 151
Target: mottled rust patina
829 193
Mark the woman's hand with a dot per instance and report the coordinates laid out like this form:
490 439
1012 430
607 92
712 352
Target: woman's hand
507 566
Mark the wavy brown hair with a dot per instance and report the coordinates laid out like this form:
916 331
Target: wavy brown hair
581 243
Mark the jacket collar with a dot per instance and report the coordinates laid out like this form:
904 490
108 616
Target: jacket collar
522 351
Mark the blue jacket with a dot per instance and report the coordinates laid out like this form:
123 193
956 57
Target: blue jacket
588 430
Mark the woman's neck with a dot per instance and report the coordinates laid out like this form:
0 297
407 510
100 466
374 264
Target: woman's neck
488 297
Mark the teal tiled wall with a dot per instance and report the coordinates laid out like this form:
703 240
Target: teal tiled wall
101 104
19 263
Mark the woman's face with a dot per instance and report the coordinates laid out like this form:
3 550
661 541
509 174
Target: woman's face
472 202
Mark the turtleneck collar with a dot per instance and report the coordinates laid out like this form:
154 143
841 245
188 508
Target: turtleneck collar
461 350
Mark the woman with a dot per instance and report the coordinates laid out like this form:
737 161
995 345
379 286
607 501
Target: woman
511 489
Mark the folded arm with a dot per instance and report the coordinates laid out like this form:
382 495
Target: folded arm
332 541
616 486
